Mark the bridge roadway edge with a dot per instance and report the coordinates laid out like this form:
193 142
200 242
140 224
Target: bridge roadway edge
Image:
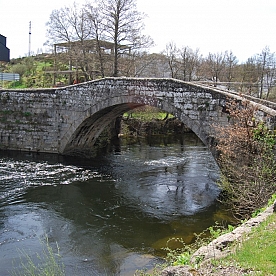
68 120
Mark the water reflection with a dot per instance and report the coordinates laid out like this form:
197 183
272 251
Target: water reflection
110 215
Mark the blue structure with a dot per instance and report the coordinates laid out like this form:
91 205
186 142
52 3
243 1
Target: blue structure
4 51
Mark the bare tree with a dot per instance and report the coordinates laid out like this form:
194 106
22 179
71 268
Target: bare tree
96 19
189 63
271 75
216 64
153 65
82 26
68 29
59 28
230 63
263 57
248 76
122 25
266 73
68 24
172 54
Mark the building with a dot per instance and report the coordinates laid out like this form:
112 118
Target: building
4 51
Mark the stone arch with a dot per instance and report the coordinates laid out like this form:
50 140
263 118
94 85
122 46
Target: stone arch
82 139
86 134
197 127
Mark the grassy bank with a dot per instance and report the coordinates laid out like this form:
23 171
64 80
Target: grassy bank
258 251
252 253
255 255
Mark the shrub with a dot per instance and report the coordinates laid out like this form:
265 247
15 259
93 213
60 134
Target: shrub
246 158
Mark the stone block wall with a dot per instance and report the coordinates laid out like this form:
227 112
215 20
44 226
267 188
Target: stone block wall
71 118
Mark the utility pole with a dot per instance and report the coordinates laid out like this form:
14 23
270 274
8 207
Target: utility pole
30 32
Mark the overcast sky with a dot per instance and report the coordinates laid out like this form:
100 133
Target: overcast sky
243 26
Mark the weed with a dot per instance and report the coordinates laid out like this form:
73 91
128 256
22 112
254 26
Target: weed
27 114
155 272
270 202
46 264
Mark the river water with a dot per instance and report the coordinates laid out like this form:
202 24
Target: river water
109 215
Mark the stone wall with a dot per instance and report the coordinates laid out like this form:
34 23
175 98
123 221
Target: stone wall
28 121
220 248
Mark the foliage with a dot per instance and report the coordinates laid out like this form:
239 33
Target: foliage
182 255
91 57
32 71
217 230
155 272
247 160
147 114
16 84
99 38
47 264
260 241
270 202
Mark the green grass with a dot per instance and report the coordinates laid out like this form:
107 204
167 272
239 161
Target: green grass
148 116
15 85
259 251
47 263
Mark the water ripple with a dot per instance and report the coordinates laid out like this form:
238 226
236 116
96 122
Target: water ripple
17 176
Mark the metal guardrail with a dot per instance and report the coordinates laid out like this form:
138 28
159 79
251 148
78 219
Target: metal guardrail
248 97
9 77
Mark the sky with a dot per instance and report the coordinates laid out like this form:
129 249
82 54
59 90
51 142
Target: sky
244 27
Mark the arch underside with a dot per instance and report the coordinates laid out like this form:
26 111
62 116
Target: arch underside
83 139
85 136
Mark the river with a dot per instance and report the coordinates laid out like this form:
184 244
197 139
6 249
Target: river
110 215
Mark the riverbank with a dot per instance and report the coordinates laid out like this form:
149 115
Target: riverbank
247 250
138 127
221 256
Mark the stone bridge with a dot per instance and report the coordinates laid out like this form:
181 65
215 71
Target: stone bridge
68 120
